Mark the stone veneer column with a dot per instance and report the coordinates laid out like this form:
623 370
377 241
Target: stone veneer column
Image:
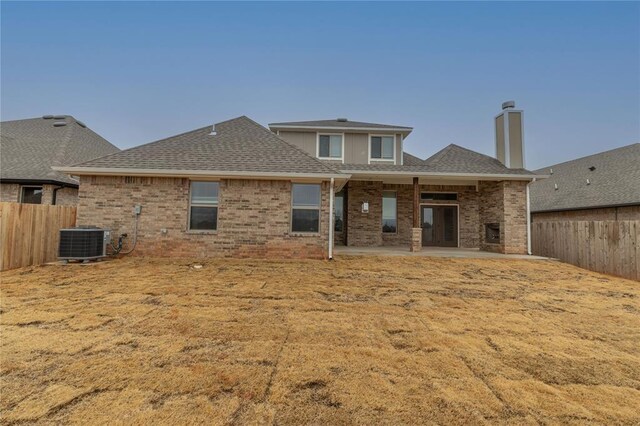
416 239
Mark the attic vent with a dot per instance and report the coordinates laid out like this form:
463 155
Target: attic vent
47 117
81 124
555 186
588 182
59 117
59 124
342 120
592 168
550 171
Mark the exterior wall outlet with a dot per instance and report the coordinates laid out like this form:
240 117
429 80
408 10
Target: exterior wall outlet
163 231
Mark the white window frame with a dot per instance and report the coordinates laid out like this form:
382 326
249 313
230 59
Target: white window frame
382 214
319 209
318 134
21 195
216 205
383 160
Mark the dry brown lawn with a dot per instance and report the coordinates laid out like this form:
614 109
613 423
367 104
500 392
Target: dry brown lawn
361 340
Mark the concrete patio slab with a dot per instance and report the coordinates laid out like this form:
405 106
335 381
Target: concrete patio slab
429 252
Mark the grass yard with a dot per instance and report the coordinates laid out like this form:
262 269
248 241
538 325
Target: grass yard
360 340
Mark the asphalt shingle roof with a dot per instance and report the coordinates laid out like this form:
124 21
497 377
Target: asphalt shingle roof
411 160
239 145
452 159
614 181
29 148
335 123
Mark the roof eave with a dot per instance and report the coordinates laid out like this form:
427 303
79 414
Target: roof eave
602 206
477 176
103 171
403 130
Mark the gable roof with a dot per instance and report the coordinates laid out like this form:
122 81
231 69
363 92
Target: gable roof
456 159
339 124
32 146
411 160
239 146
452 160
615 181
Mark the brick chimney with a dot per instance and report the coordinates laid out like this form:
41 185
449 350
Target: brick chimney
510 136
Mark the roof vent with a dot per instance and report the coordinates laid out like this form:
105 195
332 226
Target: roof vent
550 171
81 124
592 168
59 124
555 186
588 182
47 117
342 120
213 131
59 117
508 104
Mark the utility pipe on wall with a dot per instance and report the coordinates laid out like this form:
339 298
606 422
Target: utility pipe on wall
331 220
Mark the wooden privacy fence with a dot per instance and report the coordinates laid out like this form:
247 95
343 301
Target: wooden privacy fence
29 233
607 246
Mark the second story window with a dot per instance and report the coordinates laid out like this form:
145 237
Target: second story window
382 148
330 146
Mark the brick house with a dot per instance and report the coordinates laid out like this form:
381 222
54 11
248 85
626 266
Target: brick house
299 188
31 147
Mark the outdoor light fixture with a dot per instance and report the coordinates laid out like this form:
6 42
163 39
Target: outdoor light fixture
365 207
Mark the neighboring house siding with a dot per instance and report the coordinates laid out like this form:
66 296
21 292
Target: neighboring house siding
608 213
504 202
356 145
253 218
9 192
365 229
66 196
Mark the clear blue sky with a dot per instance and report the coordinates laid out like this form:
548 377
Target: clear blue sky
136 72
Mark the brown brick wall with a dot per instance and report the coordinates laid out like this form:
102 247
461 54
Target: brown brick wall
366 229
609 213
505 203
253 217
10 192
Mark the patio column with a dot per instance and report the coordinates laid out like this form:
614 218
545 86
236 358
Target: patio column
416 230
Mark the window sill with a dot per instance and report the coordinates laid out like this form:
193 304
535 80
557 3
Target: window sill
200 232
304 234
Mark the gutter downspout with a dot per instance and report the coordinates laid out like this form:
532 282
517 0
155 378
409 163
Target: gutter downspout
331 219
529 218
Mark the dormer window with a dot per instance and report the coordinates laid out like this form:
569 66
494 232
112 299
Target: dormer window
330 146
382 148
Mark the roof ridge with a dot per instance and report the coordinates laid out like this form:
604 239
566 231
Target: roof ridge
590 155
61 153
146 144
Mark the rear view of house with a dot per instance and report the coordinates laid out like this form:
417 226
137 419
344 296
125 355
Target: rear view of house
299 188
31 147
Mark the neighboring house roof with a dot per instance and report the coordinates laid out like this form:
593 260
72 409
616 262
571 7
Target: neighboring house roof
411 160
453 160
614 181
239 146
31 147
339 124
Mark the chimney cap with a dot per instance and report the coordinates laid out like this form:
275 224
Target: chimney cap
508 104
